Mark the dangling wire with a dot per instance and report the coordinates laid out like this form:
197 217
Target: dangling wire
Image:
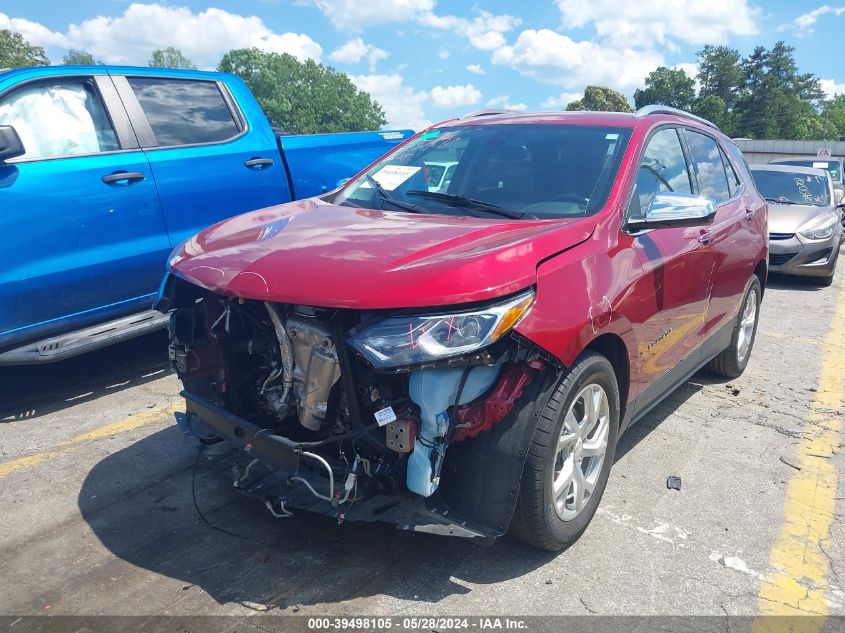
196 505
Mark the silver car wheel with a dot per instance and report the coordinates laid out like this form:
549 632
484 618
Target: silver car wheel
746 327
581 450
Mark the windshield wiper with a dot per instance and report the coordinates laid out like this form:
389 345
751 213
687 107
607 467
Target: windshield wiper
780 201
386 197
464 201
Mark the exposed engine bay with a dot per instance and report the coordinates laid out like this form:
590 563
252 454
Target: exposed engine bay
321 427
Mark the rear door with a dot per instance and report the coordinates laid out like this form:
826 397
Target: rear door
82 237
210 160
735 234
677 263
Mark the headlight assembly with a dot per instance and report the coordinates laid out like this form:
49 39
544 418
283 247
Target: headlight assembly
819 230
408 340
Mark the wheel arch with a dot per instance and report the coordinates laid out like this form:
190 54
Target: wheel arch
613 348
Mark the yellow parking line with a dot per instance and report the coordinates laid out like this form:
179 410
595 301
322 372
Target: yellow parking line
115 428
800 568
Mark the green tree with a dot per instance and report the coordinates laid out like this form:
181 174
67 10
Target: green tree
720 73
601 99
16 52
833 118
303 97
776 101
668 87
76 57
712 108
170 57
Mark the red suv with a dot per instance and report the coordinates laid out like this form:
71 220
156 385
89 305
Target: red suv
454 339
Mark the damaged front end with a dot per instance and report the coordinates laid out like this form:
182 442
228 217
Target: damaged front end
421 420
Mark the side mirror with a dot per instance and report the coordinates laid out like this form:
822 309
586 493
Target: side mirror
668 210
838 195
10 143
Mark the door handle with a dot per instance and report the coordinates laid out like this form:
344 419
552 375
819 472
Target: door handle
705 237
258 163
749 215
123 177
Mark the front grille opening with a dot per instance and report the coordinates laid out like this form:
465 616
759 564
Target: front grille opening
779 259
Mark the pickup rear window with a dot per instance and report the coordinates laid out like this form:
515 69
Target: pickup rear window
184 111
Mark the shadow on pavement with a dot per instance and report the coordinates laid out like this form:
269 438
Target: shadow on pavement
144 515
138 502
793 282
31 391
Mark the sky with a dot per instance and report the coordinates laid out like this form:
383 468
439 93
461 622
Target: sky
429 60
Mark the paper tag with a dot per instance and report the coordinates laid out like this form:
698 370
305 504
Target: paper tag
391 176
385 416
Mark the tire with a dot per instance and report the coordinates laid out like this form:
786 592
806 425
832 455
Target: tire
828 281
538 519
730 363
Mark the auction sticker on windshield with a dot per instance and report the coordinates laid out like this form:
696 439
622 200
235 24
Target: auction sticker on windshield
391 176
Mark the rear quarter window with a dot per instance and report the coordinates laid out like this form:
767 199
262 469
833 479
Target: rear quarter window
184 111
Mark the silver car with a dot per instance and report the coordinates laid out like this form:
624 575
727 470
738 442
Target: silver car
805 228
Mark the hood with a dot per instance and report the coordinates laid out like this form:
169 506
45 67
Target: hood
788 218
312 253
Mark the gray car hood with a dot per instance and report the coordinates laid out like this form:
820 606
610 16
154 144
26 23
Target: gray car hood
788 218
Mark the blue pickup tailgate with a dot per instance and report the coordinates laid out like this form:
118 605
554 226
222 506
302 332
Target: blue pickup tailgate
316 162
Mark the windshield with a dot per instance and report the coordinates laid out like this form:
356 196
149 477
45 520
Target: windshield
831 166
792 188
517 170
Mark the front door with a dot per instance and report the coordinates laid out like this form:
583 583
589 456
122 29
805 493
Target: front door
82 236
677 265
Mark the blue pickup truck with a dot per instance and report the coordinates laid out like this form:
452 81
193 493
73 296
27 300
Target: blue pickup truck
103 170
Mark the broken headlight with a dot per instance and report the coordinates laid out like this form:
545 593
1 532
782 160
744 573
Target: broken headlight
408 340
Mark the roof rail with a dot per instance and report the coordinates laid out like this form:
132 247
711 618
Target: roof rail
661 109
485 112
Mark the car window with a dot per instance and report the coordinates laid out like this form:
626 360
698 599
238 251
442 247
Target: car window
545 170
733 179
663 168
830 165
792 187
183 111
59 119
708 165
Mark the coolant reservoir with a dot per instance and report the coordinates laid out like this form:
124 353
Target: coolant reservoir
434 391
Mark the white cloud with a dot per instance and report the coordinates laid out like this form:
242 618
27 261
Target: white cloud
654 22
804 24
402 104
444 54
354 14
504 102
476 69
832 88
203 37
455 96
353 51
485 31
561 101
33 32
553 58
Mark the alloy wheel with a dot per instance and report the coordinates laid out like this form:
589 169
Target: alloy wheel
746 327
581 450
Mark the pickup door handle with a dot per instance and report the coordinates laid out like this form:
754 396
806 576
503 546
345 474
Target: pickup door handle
749 215
123 177
705 237
258 163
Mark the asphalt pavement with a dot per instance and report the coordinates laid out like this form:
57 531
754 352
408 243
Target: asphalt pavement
98 515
